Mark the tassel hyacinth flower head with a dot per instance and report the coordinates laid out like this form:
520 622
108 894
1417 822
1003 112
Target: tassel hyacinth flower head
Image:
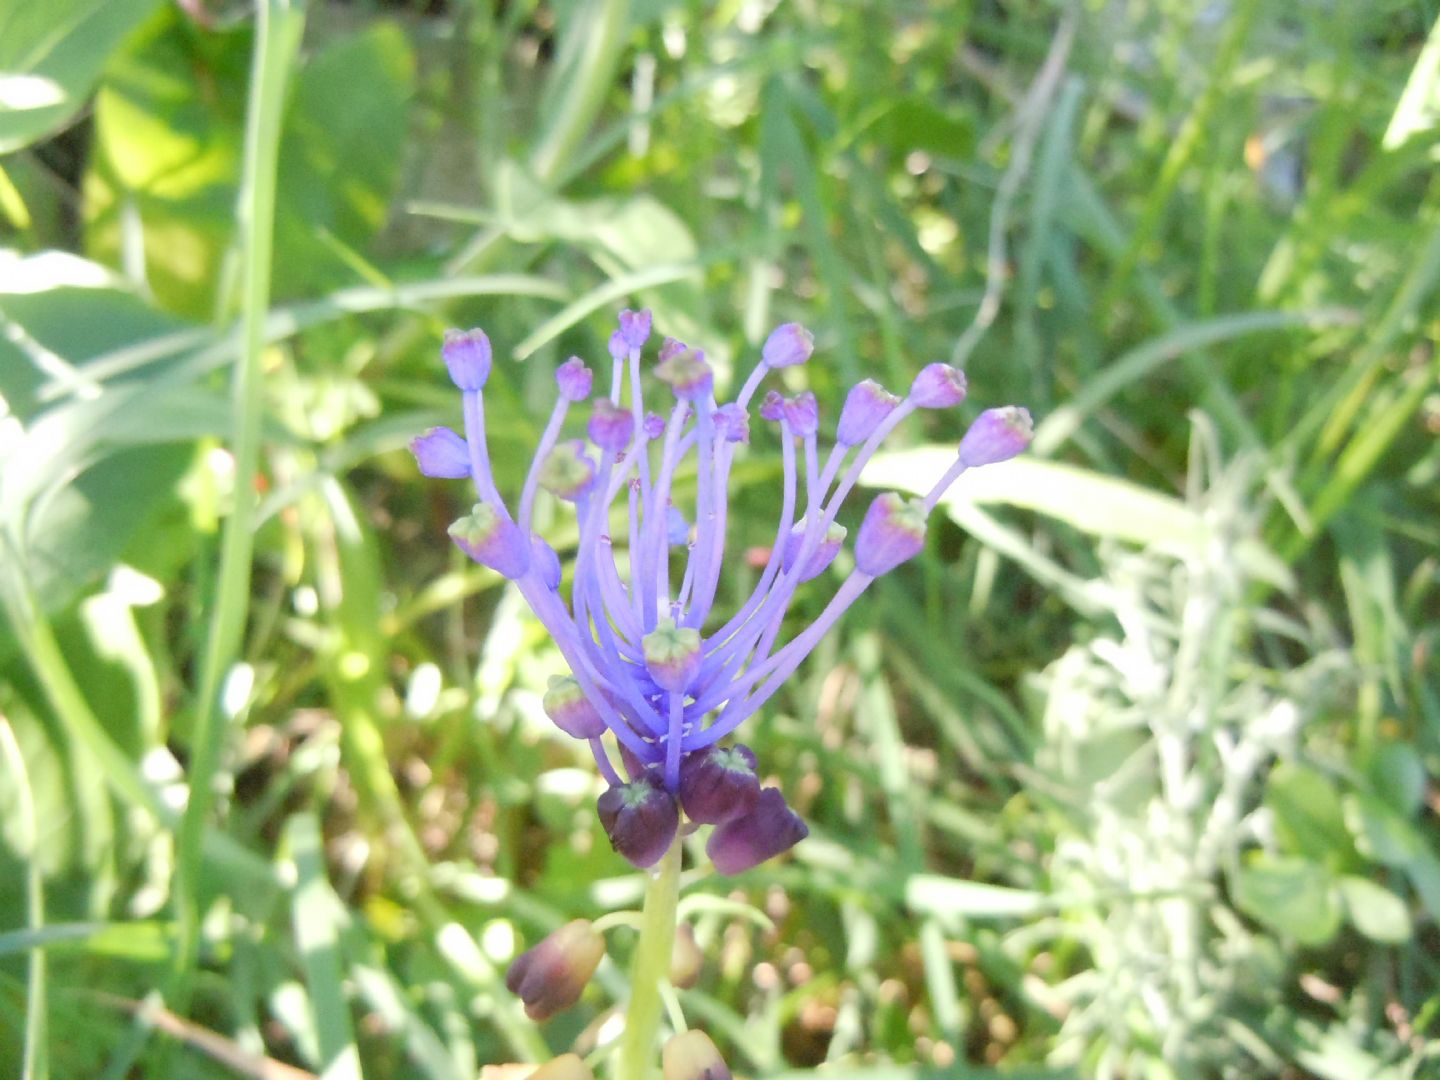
650 665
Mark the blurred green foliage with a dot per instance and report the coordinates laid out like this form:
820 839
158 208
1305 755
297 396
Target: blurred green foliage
1132 774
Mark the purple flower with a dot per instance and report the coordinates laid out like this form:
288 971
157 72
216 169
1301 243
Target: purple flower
658 680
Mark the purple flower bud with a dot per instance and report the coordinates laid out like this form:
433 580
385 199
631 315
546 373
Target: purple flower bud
892 532
654 425
568 471
686 959
441 452
768 829
672 655
551 976
996 435
670 347
564 1067
574 379
787 345
718 783
772 405
823 555
687 374
610 426
566 704
803 412
677 529
619 347
467 354
492 540
732 423
640 818
545 562
635 327
692 1056
938 386
867 404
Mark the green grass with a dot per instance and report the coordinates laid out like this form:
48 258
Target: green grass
1131 773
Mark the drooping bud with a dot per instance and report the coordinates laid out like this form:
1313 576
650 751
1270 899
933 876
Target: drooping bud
610 426
568 471
692 1056
492 540
635 327
442 453
687 374
574 379
718 783
552 975
545 562
867 404
467 355
672 654
938 386
892 532
770 828
732 423
564 1067
566 704
803 413
787 345
640 818
686 959
996 435
654 426
823 555
772 405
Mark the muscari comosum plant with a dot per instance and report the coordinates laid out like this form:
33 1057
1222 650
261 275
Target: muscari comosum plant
658 680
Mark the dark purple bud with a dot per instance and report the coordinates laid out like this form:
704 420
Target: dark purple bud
672 655
635 327
732 423
670 347
467 354
687 374
635 767
568 471
787 345
996 435
892 532
686 959
551 976
677 529
772 405
610 426
566 704
692 1056
768 829
867 404
640 818
441 452
574 379
823 555
492 540
654 425
803 412
545 562
718 783
938 386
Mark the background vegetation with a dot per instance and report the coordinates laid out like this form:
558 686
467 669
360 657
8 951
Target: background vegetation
1130 775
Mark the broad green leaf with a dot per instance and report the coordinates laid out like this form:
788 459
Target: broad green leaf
1419 106
51 54
1381 833
1290 895
1374 910
1308 816
1398 776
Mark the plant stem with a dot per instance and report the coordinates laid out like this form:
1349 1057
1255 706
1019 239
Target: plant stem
652 969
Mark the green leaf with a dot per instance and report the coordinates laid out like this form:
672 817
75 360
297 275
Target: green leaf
1290 895
1308 815
51 54
950 898
1398 777
1380 833
1374 910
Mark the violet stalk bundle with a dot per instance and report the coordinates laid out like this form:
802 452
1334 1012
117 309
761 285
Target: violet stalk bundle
653 670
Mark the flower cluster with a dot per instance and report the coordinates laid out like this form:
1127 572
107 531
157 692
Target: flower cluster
649 666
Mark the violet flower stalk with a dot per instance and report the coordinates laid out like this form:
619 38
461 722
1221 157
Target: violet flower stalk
651 666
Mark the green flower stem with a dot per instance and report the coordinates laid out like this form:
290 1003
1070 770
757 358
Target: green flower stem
652 969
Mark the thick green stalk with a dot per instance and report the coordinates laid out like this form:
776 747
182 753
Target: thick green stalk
636 1060
277 41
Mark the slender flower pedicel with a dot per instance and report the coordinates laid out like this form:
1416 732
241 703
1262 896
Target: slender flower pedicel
651 666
